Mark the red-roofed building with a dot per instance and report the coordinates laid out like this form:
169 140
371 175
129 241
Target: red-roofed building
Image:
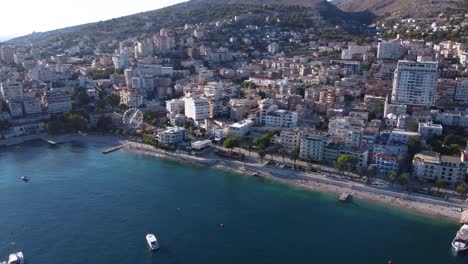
385 163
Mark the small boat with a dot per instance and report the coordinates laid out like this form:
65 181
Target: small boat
15 258
152 242
460 242
24 178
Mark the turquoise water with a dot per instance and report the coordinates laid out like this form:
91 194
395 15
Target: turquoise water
81 206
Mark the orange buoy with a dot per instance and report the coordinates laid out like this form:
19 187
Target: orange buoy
390 262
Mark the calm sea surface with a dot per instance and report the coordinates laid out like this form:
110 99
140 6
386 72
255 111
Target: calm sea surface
81 206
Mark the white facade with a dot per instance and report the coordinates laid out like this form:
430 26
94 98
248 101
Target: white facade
290 139
197 108
11 89
57 101
131 97
433 166
313 146
415 83
389 50
427 130
240 129
172 135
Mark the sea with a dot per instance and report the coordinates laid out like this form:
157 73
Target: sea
81 206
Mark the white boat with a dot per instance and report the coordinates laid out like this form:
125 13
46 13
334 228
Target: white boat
15 258
460 242
24 178
152 241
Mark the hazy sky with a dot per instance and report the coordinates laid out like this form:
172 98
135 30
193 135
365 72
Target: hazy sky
21 17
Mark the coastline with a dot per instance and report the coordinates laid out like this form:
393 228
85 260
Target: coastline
316 182
409 203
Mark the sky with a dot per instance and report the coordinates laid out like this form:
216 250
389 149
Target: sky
22 17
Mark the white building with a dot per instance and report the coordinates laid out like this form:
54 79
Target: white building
415 83
273 48
32 106
240 129
197 108
389 50
385 163
290 139
131 97
172 135
175 105
428 130
313 146
433 166
57 101
11 89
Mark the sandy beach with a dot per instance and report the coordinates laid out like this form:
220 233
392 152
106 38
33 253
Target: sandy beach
423 205
415 203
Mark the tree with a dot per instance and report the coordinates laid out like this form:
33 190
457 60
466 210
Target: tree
362 171
371 172
83 97
112 100
439 184
261 154
392 176
295 155
231 143
104 123
404 179
283 153
347 161
461 189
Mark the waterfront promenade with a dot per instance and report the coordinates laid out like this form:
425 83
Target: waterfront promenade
425 205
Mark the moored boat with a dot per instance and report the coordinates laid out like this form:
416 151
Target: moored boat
14 258
152 242
460 242
24 178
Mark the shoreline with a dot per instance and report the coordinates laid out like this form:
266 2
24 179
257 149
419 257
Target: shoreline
409 203
423 206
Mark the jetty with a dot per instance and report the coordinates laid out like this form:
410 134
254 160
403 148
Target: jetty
51 142
345 197
110 150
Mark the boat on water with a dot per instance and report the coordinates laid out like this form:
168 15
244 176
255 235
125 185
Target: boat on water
24 178
14 258
152 242
460 242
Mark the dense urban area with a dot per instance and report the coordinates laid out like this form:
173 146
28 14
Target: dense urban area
390 103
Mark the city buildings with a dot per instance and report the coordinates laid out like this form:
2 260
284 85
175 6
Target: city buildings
433 166
415 83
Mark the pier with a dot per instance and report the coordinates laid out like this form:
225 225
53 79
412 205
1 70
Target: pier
345 197
110 150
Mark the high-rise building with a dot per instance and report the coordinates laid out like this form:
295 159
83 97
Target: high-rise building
414 83
197 108
389 50
7 54
11 89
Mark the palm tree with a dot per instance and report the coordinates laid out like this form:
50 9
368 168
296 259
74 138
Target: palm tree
404 179
392 176
282 152
261 154
439 184
295 155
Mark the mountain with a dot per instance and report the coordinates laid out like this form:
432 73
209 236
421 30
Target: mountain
317 12
402 8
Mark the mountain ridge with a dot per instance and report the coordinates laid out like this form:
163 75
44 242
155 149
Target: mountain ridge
401 8
195 12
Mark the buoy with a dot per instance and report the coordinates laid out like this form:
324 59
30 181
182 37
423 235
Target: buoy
390 262
221 225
